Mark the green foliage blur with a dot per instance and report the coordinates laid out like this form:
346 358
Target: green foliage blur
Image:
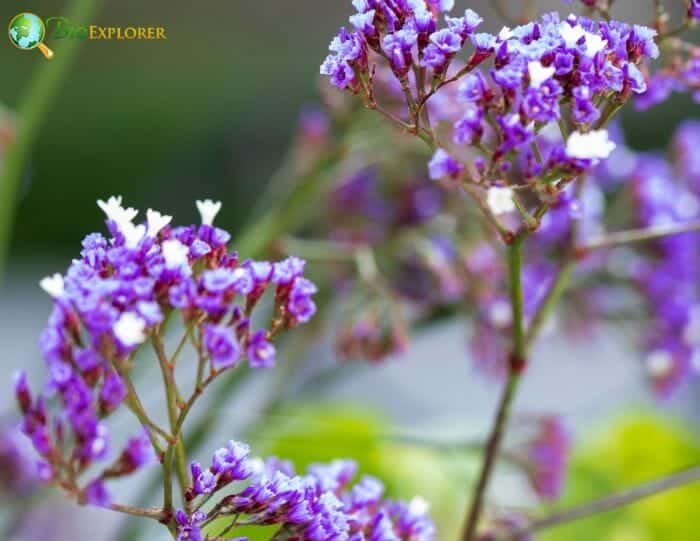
632 450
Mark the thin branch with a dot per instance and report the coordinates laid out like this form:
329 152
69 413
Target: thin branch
517 363
155 514
638 235
615 501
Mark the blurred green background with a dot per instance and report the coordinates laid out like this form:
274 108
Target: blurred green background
208 112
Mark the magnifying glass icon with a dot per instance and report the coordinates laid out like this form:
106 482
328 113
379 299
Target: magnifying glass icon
27 31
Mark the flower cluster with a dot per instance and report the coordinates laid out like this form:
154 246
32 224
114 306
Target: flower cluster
320 505
536 71
668 273
116 297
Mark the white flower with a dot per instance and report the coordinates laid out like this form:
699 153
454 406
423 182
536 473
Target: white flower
129 329
571 34
418 506
53 285
589 146
133 234
594 44
208 210
659 363
115 212
539 74
505 33
500 200
175 254
156 221
501 314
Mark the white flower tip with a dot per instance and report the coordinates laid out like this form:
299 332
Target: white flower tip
505 33
208 210
156 221
175 254
133 234
118 214
418 505
129 329
659 363
53 285
539 74
593 145
256 464
500 200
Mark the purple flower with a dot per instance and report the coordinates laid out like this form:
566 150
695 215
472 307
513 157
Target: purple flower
288 270
300 305
203 481
548 454
96 494
261 353
138 452
113 392
443 165
222 345
188 526
231 461
694 9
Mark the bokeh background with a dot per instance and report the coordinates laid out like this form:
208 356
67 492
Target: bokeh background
210 113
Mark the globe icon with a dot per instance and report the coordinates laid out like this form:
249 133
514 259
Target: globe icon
27 31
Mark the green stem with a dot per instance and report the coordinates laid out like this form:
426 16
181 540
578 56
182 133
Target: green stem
31 112
505 406
176 449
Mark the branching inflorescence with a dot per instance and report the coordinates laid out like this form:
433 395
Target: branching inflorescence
116 298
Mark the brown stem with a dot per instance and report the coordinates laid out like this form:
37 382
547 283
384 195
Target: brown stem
155 514
638 235
621 499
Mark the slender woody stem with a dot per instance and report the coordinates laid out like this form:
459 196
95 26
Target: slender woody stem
614 501
517 363
638 235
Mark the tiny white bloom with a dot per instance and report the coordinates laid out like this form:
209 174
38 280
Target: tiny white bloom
256 465
571 34
175 254
53 285
505 33
129 329
539 74
500 200
501 314
418 505
208 210
594 44
659 363
589 146
115 212
133 234
156 221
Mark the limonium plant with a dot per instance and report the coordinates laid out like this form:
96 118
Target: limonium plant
113 300
520 125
